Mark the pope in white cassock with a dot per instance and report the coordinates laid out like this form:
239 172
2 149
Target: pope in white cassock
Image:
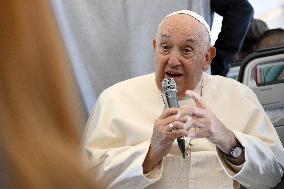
130 139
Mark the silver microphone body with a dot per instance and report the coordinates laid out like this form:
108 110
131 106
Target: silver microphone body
170 99
169 95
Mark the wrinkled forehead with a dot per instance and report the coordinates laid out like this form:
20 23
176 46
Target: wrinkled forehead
180 23
185 22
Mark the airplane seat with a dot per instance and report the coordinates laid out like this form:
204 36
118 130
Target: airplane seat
234 70
263 72
279 126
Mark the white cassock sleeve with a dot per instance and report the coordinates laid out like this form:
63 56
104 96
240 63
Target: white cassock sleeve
117 161
264 153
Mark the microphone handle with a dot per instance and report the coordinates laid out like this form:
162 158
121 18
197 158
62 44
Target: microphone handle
172 102
181 145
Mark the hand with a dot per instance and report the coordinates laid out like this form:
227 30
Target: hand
207 124
163 136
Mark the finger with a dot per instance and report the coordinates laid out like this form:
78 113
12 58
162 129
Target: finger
167 121
175 126
178 125
198 122
168 112
198 133
193 134
201 133
177 134
184 119
196 98
194 124
190 111
188 124
170 127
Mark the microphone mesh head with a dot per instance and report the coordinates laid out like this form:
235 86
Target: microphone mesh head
169 84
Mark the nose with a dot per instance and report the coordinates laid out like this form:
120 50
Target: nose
174 59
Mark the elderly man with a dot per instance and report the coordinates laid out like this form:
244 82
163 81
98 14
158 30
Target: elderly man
130 138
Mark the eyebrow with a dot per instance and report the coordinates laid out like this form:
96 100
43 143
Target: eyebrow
166 36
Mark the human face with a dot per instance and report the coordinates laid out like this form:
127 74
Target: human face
181 52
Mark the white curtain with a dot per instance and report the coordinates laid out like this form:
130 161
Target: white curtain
111 40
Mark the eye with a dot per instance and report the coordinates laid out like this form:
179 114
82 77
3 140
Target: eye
164 47
188 52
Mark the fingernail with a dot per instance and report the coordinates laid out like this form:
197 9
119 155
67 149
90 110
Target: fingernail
188 92
177 116
188 124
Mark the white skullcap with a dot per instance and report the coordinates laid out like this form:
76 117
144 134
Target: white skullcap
193 15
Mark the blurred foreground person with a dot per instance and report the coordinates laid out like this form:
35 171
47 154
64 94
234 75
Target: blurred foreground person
40 106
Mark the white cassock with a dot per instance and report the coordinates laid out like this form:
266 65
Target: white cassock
119 130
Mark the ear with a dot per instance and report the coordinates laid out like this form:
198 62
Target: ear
154 43
211 53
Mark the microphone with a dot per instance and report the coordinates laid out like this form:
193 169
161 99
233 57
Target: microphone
169 95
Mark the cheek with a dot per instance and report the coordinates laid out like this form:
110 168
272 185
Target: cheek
189 68
160 63
158 71
193 67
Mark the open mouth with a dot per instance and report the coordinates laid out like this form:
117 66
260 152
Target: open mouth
173 74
